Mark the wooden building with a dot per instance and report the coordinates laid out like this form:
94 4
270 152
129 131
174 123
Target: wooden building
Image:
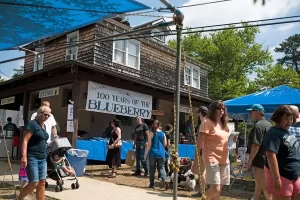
145 65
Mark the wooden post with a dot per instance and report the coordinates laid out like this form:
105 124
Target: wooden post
76 96
26 99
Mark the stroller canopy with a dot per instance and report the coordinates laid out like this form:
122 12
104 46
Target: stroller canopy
59 143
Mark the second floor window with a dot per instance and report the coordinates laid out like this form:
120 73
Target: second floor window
38 60
127 52
192 76
158 35
72 52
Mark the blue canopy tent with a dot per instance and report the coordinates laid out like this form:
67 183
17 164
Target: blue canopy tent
270 99
25 21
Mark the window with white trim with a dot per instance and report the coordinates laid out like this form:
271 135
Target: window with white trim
72 52
38 59
127 52
158 35
192 76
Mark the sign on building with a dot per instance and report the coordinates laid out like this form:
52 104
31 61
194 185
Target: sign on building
49 92
111 100
184 109
8 100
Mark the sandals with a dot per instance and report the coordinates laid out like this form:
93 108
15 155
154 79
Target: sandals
112 175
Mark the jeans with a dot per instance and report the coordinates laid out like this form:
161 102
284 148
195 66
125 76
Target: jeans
140 157
36 169
159 163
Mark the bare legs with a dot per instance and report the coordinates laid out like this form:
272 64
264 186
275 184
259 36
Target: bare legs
40 190
214 192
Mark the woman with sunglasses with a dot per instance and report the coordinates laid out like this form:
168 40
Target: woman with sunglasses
213 140
34 154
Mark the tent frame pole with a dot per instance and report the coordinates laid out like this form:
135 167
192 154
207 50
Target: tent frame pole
178 18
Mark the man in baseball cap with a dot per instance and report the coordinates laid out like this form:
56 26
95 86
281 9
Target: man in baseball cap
256 149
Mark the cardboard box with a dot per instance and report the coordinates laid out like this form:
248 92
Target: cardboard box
130 158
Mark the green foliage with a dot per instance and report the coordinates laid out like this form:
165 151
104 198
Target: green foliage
18 72
241 128
272 76
291 49
1 79
233 54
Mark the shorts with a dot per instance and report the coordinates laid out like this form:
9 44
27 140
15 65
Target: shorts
217 174
289 187
259 177
36 169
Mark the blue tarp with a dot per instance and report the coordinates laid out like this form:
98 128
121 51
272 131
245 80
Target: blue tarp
24 21
270 99
97 149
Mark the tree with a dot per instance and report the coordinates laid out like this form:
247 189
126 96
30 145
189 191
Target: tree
18 72
291 49
1 79
233 54
273 76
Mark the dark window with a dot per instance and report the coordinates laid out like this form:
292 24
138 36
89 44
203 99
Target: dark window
67 95
124 120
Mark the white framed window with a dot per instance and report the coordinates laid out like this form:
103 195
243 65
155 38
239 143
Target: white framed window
72 52
192 76
158 35
127 52
38 59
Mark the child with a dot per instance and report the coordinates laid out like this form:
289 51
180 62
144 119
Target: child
23 177
60 164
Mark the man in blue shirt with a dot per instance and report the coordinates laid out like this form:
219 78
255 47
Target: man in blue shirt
295 128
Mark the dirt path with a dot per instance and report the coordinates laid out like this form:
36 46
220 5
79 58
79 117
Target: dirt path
239 191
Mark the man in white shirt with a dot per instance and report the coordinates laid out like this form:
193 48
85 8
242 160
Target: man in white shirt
50 123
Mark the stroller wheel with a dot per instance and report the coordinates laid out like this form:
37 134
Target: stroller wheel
61 188
73 186
59 182
46 184
57 188
77 185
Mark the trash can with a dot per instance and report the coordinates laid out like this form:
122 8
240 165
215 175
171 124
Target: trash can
78 160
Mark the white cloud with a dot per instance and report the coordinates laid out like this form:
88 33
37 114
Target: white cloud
286 27
235 11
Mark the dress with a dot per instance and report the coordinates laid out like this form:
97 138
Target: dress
113 157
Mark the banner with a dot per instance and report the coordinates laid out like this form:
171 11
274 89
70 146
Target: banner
111 100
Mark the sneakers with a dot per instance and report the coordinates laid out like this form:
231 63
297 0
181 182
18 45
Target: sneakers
146 174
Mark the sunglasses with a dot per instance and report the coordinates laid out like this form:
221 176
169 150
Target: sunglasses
221 109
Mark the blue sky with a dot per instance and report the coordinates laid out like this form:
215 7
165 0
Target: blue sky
227 12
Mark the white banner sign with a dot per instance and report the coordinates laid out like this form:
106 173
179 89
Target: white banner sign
49 92
70 126
106 99
70 111
8 100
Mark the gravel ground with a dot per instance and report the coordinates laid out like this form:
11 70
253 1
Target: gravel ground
238 191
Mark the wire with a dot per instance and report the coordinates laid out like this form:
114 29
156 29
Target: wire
4 74
201 27
81 10
199 4
109 38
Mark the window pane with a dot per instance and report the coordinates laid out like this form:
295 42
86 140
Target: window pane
187 71
196 82
120 44
119 57
195 72
73 39
133 61
39 64
133 48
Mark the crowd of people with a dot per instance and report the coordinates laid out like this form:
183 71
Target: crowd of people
272 151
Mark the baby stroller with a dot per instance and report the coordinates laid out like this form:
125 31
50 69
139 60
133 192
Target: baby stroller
59 146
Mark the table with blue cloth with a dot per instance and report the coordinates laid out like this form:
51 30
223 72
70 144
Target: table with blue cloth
97 148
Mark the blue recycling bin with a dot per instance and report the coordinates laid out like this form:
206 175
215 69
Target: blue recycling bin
78 160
